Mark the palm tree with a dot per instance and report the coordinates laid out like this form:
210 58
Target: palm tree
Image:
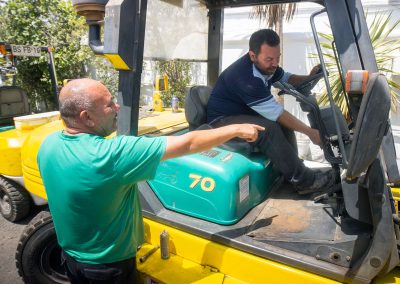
273 16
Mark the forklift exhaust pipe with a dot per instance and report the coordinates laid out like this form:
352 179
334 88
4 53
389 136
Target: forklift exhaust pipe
93 11
94 38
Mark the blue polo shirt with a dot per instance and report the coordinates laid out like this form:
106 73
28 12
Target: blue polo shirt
241 89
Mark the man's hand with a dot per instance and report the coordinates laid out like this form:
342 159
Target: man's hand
297 80
248 132
316 69
196 141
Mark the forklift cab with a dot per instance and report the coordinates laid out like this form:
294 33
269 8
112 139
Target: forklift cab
13 102
350 247
230 217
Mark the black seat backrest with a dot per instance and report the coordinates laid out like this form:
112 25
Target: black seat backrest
371 125
13 102
196 106
196 115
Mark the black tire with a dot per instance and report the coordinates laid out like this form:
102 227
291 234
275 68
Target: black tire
38 256
15 201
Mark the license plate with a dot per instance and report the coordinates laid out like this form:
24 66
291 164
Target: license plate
25 50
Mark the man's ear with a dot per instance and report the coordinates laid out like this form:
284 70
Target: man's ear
86 119
253 55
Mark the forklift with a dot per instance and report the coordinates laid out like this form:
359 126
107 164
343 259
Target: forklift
229 216
15 201
13 99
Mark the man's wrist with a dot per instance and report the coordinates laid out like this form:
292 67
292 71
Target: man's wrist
236 130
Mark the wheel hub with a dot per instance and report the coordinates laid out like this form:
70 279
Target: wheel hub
50 263
5 205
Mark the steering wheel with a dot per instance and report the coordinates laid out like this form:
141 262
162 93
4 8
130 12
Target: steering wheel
307 85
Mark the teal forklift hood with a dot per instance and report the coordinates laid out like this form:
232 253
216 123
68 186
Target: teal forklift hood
215 185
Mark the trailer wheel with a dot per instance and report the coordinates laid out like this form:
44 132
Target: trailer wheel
38 256
15 202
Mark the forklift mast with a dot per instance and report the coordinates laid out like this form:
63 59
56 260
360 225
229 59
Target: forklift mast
355 52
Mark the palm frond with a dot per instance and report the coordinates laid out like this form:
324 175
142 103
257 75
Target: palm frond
271 14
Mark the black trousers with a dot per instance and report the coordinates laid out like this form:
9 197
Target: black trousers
278 144
121 272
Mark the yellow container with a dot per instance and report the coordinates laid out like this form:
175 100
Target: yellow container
10 148
29 151
11 141
32 121
157 102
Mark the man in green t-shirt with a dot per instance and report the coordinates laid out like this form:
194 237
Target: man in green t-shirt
91 181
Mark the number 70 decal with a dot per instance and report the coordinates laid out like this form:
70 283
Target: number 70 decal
206 183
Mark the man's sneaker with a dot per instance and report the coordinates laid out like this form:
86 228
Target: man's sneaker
322 181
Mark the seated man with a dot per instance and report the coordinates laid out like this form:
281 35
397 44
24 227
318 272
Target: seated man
242 94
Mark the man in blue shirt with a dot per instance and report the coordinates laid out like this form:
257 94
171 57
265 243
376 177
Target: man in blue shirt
91 181
242 94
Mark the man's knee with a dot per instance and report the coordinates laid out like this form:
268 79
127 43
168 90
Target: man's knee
273 129
268 136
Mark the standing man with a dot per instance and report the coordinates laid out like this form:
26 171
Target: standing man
242 94
91 181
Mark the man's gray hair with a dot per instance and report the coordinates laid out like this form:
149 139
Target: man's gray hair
72 105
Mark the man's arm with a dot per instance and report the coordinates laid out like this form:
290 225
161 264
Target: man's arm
291 122
296 80
200 140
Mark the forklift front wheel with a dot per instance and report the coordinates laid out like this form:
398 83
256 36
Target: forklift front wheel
38 256
15 201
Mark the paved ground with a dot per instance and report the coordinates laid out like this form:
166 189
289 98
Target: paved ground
9 236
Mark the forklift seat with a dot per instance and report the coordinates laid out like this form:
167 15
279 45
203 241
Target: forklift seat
196 115
196 106
371 125
13 102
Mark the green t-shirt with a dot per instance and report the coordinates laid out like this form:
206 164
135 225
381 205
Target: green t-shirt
91 188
